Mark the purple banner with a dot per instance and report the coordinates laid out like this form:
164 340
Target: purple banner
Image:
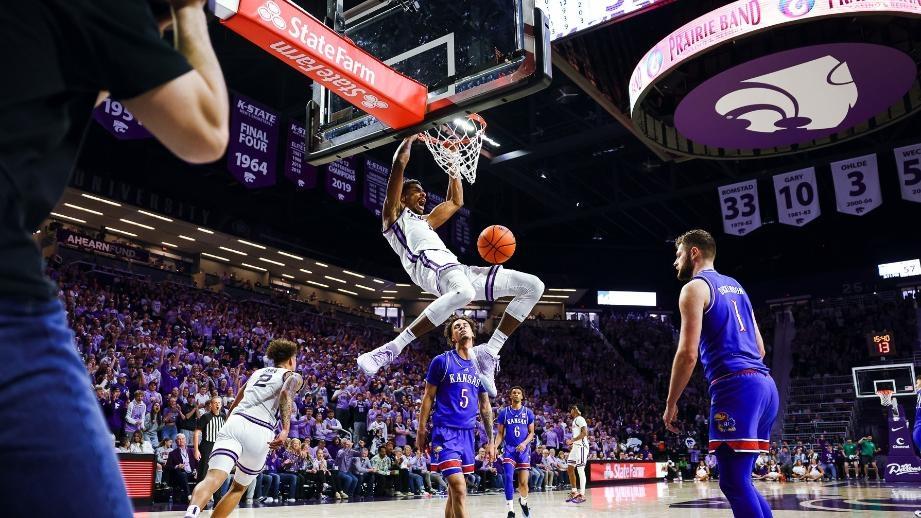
117 120
902 465
301 174
376 175
253 143
460 231
341 180
88 244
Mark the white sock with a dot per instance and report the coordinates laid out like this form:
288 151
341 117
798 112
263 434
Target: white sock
523 500
403 339
192 511
582 481
496 341
510 504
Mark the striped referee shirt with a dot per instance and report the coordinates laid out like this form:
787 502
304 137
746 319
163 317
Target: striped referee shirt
210 425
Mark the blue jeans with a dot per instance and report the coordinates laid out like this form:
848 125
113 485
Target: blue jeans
290 480
536 479
268 484
415 483
44 390
348 482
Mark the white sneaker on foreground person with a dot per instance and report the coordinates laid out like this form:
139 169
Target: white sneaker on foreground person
486 365
373 361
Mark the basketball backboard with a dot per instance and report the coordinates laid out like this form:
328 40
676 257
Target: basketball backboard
471 54
897 377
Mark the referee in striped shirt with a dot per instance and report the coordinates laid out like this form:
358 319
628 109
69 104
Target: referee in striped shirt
206 429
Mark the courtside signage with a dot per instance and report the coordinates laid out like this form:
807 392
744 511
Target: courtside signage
741 18
295 37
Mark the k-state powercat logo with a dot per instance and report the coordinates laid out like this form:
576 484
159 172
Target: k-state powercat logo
795 96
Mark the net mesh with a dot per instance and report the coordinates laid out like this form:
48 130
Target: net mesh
456 145
885 397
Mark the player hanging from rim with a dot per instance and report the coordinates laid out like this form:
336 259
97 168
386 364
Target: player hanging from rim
516 430
247 435
717 319
455 392
435 269
578 455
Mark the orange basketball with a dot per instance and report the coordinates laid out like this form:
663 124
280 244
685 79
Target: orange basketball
496 244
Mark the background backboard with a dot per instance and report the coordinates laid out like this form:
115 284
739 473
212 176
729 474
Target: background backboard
867 379
471 54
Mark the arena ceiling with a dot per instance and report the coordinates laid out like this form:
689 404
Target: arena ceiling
591 205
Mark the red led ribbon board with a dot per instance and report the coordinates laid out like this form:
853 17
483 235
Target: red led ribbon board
298 39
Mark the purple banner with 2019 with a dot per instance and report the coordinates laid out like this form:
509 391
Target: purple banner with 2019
253 143
341 180
301 174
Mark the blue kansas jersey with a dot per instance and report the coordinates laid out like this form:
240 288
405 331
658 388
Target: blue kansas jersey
458 394
516 424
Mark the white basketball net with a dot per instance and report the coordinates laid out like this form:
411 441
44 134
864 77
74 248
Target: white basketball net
885 397
456 145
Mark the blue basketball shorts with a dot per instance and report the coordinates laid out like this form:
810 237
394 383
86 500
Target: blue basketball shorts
452 450
519 460
743 406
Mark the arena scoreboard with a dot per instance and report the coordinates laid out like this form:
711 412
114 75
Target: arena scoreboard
568 17
881 344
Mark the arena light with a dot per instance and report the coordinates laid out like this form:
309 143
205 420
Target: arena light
353 274
292 256
364 287
561 289
120 231
254 267
135 223
627 298
404 285
231 250
205 230
347 291
152 215
84 209
556 296
320 284
287 276
187 238
254 245
490 141
69 218
276 263
101 200
307 271
318 263
169 244
206 254
378 281
335 279
389 298
389 291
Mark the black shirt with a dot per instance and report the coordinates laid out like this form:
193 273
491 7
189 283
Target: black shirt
209 425
58 55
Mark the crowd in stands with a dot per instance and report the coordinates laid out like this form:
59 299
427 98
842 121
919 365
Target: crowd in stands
826 462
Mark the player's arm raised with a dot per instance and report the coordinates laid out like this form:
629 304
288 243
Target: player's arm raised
486 415
454 200
391 210
289 388
691 303
428 399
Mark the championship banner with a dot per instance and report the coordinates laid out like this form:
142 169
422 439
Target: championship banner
341 181
87 244
117 120
301 174
739 205
460 231
857 185
797 197
253 143
376 175
908 163
289 33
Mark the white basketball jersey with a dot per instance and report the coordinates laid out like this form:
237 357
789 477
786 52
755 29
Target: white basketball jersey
577 425
260 397
410 236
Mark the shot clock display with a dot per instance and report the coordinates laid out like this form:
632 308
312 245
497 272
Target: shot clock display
881 344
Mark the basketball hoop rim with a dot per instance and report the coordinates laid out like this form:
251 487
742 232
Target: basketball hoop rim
885 396
476 118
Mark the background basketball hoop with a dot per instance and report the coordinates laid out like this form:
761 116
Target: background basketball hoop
456 145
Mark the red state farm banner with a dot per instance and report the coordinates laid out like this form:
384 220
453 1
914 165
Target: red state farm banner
292 35
601 472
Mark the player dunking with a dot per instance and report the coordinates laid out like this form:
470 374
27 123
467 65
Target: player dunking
717 319
578 455
247 435
516 430
455 390
435 269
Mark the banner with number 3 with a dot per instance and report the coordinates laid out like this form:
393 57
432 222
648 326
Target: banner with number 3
908 163
857 185
797 197
739 204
